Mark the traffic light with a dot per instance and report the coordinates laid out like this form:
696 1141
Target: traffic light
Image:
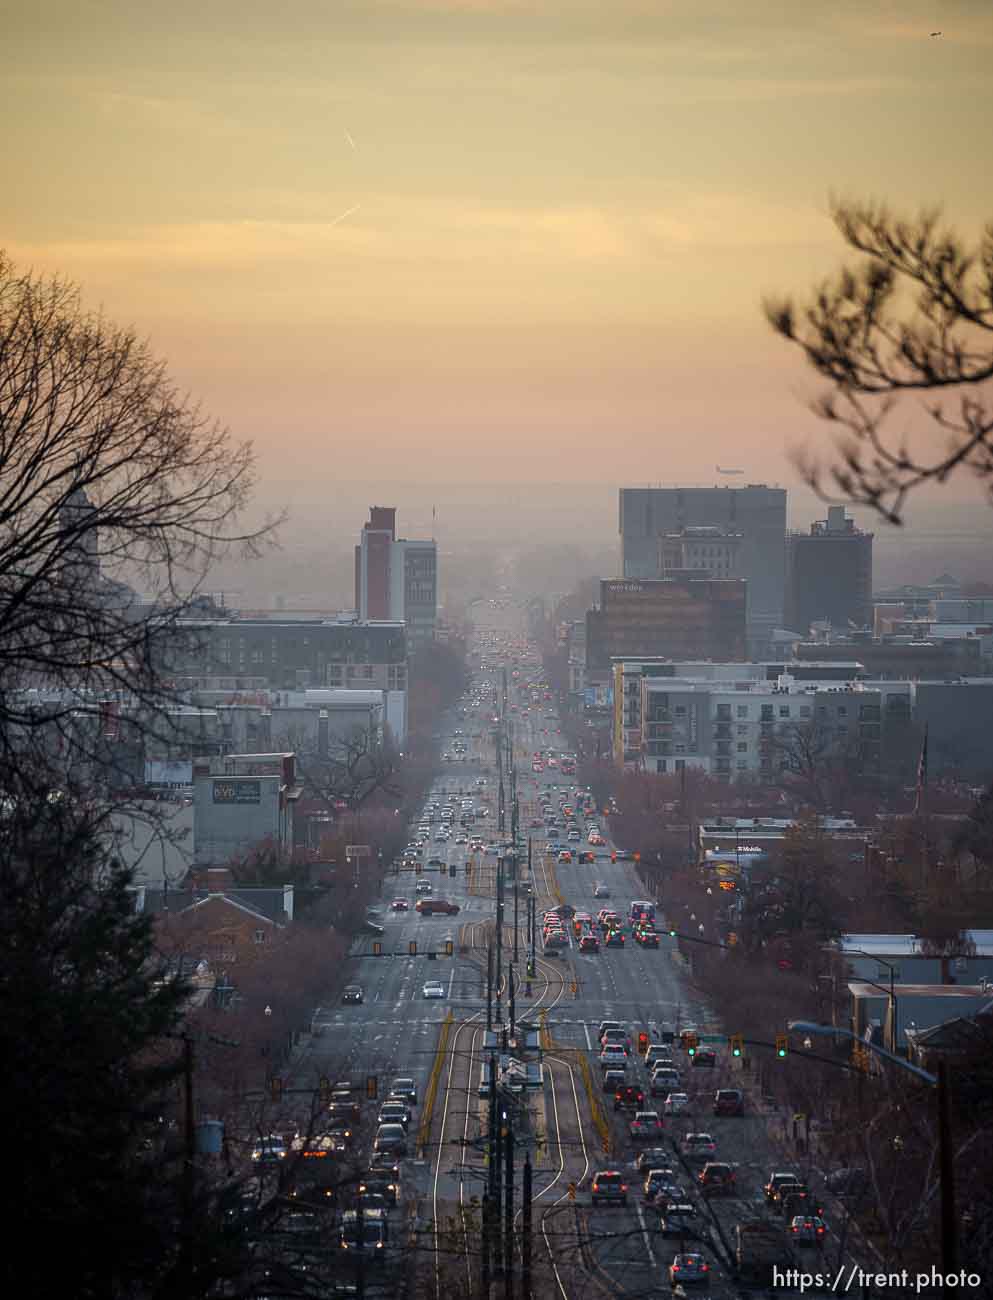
324 1089
417 868
451 868
642 1043
276 1088
412 948
637 857
377 948
782 1045
672 933
573 988
530 968
449 947
613 856
737 1045
372 1086
690 1040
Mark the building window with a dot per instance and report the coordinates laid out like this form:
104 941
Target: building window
257 655
784 710
804 710
742 764
742 731
680 710
742 710
961 965
259 936
367 671
842 711
742 746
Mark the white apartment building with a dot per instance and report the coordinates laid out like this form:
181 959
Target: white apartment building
729 720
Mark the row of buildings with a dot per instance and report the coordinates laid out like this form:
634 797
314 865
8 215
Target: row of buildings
727 639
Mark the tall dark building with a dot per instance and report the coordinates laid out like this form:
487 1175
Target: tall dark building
753 518
829 574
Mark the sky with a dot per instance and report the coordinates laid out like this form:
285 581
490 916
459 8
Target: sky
458 240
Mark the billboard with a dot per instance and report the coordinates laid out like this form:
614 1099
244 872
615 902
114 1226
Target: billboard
237 791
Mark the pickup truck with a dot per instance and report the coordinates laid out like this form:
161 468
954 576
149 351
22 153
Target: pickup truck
430 906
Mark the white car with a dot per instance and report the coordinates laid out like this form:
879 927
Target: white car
434 989
677 1103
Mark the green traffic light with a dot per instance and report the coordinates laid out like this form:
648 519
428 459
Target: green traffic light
781 1052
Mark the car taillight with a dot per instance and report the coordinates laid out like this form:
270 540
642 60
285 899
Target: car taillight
624 1187
704 1267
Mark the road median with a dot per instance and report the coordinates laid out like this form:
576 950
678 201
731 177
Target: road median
427 1114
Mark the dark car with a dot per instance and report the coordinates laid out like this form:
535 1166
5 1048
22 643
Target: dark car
381 1182
351 993
653 1158
391 1139
613 1079
729 1101
629 1097
717 1179
704 1057
589 943
614 939
609 1187
647 938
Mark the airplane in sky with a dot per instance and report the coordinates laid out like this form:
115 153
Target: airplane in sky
728 471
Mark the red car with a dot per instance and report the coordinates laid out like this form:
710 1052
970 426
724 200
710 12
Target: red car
400 905
589 943
428 906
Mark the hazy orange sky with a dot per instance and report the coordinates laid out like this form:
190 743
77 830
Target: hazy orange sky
451 238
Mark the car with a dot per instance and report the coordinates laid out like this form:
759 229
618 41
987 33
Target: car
394 1112
614 939
658 1054
704 1058
352 993
677 1103
646 1126
609 1188
616 1037
437 863
613 1055
646 938
652 1158
614 1078
565 856
729 1101
698 1146
605 1025
432 906
269 1150
688 1267
434 989
423 888
717 1179
400 905
628 1097
679 1218
391 1139
664 1082
778 1178
808 1229
405 1087
461 839
659 1181
589 943
380 1182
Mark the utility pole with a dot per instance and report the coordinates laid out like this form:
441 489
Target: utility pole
511 987
499 936
946 1167
516 895
526 1230
492 1200
489 986
508 1219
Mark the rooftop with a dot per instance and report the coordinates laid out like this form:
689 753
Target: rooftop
908 945
858 989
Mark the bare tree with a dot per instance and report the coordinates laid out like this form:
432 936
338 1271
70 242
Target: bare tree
874 349
109 476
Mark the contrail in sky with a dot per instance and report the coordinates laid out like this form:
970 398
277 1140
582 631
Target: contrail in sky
350 140
347 213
